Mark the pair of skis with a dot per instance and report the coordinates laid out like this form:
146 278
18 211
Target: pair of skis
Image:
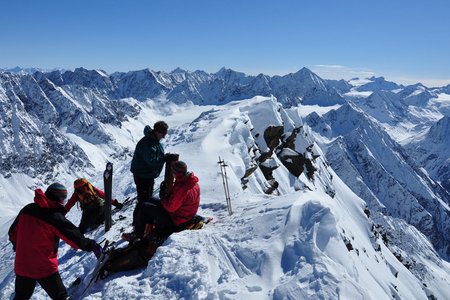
96 273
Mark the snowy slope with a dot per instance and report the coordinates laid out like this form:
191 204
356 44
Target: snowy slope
301 242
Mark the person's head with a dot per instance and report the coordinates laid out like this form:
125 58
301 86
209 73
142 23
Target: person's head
160 129
179 168
80 184
56 192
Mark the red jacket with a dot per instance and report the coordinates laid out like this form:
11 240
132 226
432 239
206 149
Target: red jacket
35 236
74 199
184 200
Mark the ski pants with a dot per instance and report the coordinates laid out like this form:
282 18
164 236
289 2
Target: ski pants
52 284
144 189
152 212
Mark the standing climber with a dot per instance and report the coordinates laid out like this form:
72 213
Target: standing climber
148 161
35 235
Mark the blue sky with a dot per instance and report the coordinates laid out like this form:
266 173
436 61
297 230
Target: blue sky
404 41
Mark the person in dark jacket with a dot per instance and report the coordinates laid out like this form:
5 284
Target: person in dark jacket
147 162
91 201
35 235
171 212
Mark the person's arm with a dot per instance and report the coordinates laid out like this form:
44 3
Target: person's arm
99 192
174 201
71 202
12 232
153 156
69 233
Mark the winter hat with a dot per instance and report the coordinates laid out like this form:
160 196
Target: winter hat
56 192
179 167
79 183
161 126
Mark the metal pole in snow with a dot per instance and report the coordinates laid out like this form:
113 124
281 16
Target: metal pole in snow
223 172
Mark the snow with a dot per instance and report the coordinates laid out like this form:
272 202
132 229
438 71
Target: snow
304 110
359 81
442 97
290 246
358 94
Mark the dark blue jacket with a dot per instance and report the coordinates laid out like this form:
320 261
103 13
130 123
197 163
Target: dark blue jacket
148 158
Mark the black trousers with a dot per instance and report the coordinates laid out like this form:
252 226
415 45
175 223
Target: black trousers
144 189
92 216
152 212
52 284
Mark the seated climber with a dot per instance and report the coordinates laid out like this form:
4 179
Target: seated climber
176 208
91 201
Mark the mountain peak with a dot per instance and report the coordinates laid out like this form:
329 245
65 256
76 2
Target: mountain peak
227 72
178 70
377 84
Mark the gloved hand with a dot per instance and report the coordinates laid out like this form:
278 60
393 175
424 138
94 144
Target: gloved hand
97 249
117 204
171 157
162 190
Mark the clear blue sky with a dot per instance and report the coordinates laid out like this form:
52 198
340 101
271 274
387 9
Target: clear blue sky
405 41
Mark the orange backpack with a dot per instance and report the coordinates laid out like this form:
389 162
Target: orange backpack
86 193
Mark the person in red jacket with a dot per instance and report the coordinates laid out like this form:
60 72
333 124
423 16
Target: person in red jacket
91 201
35 235
172 211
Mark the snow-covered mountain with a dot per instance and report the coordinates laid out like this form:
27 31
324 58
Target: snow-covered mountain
344 204
428 151
407 115
378 84
386 177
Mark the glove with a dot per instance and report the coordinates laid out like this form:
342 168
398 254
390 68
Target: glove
162 189
117 204
97 249
168 157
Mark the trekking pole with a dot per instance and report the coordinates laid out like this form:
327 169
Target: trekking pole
223 172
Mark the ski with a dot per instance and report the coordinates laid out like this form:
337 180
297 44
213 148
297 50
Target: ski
101 261
107 180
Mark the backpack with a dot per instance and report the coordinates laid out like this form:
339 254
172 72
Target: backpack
139 251
135 255
86 193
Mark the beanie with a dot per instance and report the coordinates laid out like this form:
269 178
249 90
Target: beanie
56 192
79 183
161 126
179 167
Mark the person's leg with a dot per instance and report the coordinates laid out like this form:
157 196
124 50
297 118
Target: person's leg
151 213
24 288
54 286
144 189
100 215
155 201
89 217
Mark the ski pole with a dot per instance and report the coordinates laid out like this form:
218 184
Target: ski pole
223 172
